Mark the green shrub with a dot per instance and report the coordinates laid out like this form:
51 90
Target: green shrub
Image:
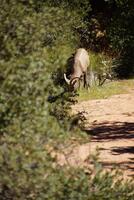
121 35
29 53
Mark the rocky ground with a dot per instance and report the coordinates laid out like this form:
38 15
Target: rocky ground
110 122
110 126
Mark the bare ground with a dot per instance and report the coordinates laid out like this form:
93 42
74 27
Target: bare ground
110 122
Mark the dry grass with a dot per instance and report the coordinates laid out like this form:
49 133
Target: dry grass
108 89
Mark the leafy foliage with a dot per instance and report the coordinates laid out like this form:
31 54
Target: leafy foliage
109 29
32 45
121 35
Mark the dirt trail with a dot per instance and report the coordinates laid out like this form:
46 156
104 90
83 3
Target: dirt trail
111 123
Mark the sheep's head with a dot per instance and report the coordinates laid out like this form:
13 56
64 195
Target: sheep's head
73 83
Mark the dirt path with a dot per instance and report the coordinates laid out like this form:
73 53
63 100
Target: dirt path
111 123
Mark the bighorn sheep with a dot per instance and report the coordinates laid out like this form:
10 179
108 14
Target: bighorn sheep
79 69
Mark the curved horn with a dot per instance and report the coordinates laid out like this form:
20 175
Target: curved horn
66 79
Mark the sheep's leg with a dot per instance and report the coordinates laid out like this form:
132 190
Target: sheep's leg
85 80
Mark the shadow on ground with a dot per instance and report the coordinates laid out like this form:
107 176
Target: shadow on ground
124 166
120 153
111 131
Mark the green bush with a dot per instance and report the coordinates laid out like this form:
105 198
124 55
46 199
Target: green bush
109 28
121 35
32 46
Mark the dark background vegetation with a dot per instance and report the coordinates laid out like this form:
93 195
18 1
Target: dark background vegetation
36 39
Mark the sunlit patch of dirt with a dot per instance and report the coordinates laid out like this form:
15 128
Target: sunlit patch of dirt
110 122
